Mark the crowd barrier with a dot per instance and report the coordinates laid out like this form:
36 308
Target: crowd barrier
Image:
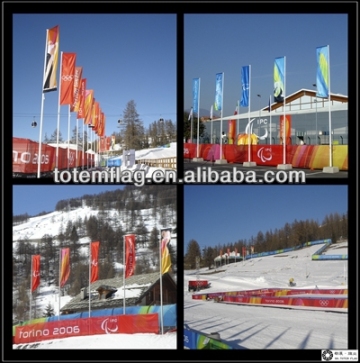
196 340
299 156
169 315
25 158
117 324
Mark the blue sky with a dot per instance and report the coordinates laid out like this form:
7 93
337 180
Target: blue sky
216 43
124 57
34 199
224 214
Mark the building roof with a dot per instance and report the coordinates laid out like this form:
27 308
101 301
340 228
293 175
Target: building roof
135 287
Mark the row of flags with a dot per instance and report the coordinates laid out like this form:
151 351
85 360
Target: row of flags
130 261
72 88
322 82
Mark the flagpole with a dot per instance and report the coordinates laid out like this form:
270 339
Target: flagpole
191 126
211 120
270 117
68 153
42 108
89 281
77 141
124 274
284 120
249 156
59 282
198 123
58 119
221 113
31 277
330 130
161 297
83 146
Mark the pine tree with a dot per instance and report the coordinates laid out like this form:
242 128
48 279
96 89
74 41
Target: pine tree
49 311
134 129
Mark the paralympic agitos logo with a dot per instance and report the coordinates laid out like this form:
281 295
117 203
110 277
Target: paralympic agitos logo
106 328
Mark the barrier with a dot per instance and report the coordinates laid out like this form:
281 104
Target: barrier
299 156
120 324
195 340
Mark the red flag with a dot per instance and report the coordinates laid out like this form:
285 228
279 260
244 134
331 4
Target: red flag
81 111
77 88
51 59
94 261
130 255
35 273
67 78
65 266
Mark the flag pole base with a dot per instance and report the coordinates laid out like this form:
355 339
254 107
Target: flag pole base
198 159
249 163
284 166
330 169
221 161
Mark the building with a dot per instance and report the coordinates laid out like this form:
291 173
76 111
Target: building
309 120
140 290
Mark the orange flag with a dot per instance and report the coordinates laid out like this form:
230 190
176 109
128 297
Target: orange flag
94 261
65 266
77 88
165 253
81 111
89 99
130 255
35 273
67 78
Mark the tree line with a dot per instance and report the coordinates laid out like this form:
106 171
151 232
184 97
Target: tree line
334 226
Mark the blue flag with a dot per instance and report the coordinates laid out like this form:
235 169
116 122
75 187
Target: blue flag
245 86
218 91
322 74
196 90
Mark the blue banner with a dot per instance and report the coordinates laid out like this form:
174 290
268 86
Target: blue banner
279 79
245 86
196 90
322 74
219 92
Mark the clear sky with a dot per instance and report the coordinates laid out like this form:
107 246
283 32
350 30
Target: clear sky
124 57
34 199
221 214
216 43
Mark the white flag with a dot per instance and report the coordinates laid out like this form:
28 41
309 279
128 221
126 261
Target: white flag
211 112
190 114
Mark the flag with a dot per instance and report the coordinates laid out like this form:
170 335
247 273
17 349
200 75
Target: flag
218 91
94 261
130 255
196 91
89 96
165 253
65 266
190 114
323 72
81 111
77 90
245 86
67 78
211 112
35 273
51 59
279 79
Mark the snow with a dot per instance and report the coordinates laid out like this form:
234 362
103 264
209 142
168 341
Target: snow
49 224
272 327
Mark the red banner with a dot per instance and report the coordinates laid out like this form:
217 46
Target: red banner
35 273
94 261
118 324
65 266
130 255
67 78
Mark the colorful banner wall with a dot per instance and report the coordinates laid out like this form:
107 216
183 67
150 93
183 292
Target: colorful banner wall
300 156
195 340
120 324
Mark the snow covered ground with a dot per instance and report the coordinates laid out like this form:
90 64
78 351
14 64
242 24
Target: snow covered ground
268 327
107 341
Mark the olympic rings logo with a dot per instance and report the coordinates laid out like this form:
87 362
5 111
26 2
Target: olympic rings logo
324 302
67 78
